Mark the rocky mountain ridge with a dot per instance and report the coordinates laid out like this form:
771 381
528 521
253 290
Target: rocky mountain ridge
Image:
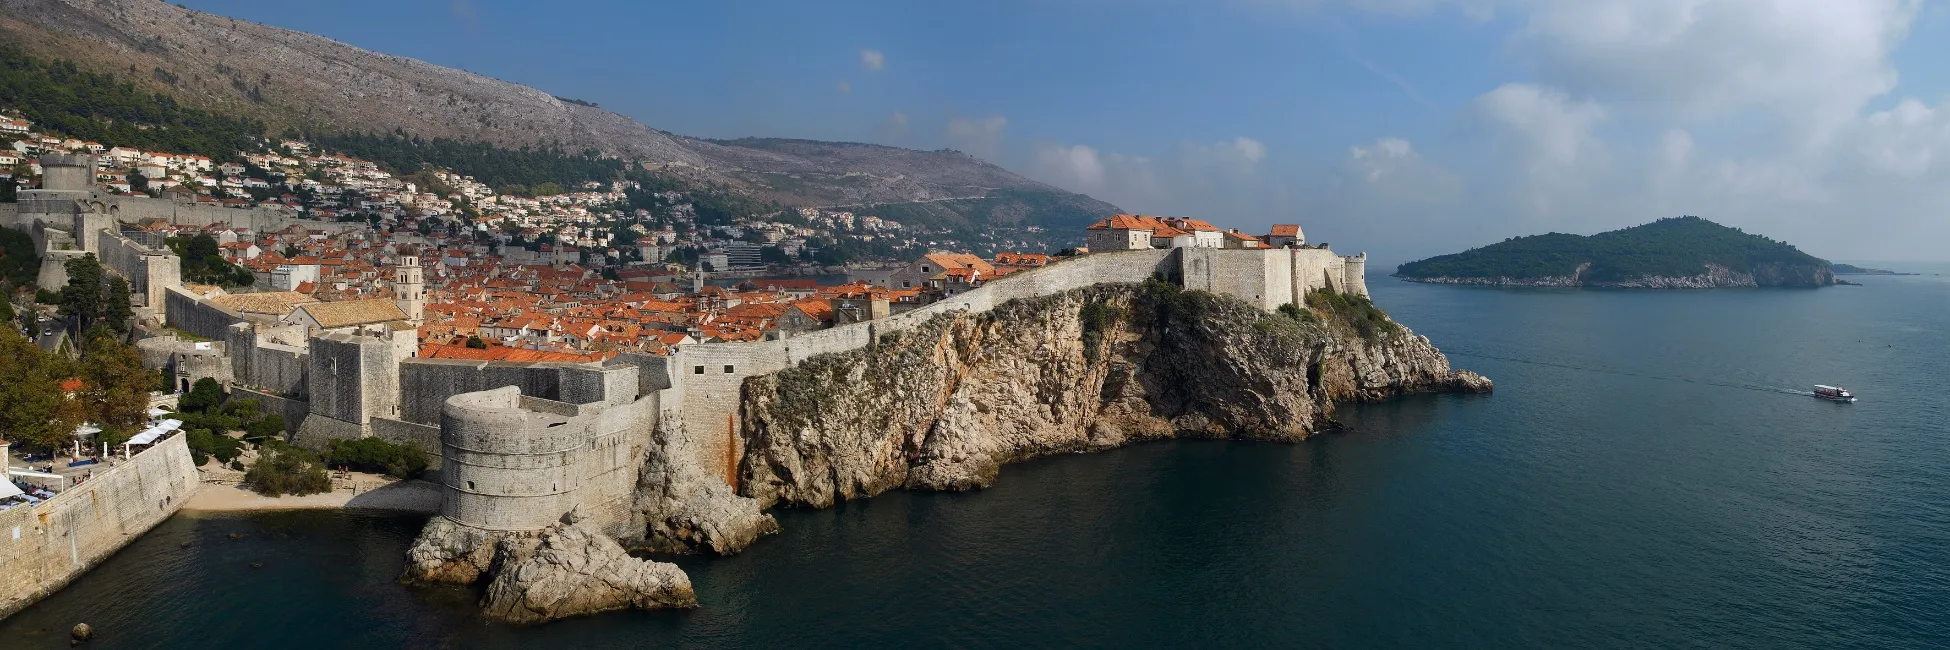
291 79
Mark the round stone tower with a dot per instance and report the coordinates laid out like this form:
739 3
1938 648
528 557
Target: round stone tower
409 285
1354 274
507 467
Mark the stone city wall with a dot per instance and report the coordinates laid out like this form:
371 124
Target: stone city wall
712 374
424 436
426 384
43 547
514 462
294 411
352 378
264 365
203 319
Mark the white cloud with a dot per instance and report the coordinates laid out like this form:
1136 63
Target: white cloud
1076 167
1811 63
1386 157
1907 140
1552 126
873 60
897 122
843 87
978 136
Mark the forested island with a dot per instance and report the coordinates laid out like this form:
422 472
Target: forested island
1851 269
1674 253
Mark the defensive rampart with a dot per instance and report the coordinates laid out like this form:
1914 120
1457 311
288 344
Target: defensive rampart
197 317
512 462
713 374
426 384
44 546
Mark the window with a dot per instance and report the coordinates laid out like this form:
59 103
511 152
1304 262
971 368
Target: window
727 370
470 485
925 269
905 284
697 370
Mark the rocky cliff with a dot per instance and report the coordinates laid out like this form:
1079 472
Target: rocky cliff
944 406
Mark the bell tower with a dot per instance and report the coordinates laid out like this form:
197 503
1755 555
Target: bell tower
409 286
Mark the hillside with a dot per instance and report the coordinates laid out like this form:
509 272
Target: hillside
1682 252
290 80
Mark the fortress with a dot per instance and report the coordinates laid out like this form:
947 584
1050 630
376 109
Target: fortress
519 444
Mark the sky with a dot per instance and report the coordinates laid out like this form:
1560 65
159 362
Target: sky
1404 128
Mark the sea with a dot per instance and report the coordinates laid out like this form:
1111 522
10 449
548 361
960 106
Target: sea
1651 472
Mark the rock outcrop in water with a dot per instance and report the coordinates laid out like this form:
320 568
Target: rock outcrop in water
569 569
944 406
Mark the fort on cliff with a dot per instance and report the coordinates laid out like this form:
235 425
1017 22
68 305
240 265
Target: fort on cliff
519 444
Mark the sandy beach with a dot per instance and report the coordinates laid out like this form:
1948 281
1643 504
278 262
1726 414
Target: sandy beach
360 491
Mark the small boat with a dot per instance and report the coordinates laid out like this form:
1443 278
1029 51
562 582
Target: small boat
1834 394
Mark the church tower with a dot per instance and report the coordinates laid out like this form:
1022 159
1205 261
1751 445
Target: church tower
409 286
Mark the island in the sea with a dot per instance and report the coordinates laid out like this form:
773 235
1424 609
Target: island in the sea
1676 253
1851 269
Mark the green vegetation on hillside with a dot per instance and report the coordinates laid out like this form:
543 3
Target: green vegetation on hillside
1054 211
59 97
1675 247
496 167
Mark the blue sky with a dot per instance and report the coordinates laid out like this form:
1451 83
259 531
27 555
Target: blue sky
1404 127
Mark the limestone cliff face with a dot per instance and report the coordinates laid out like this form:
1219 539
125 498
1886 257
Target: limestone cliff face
945 405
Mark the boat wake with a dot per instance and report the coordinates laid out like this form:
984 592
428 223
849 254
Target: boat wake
1758 388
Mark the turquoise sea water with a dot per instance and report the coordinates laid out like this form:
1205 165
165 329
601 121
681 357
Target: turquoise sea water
1646 476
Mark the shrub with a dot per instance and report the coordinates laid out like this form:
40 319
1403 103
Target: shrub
288 470
1354 312
223 448
1096 318
271 426
378 456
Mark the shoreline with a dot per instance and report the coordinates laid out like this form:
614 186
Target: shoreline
364 492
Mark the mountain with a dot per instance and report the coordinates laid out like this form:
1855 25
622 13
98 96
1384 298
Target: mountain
1676 253
294 80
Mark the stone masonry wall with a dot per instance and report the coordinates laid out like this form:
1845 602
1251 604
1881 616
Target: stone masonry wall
203 319
45 546
713 374
294 411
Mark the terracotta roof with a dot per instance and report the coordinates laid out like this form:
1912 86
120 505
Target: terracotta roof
347 313
1286 230
954 261
270 302
499 353
1127 222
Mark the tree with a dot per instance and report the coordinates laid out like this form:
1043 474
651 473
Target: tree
116 386
271 426
117 312
31 403
475 342
81 299
285 470
203 395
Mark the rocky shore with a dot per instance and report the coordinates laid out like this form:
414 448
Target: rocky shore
944 406
1715 277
